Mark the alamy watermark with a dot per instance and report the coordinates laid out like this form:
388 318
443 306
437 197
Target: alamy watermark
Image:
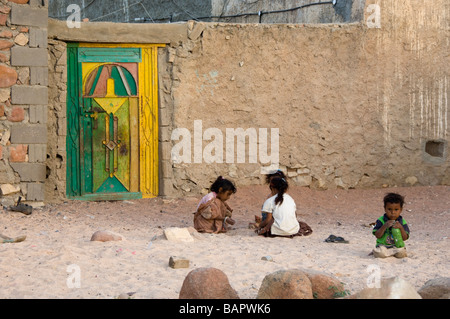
374 18
374 278
74 19
190 148
74 278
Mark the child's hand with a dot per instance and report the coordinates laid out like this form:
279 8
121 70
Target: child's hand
261 231
390 223
397 225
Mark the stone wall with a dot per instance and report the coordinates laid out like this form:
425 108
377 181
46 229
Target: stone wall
55 186
356 106
23 100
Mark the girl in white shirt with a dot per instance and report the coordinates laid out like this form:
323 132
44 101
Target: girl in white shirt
281 212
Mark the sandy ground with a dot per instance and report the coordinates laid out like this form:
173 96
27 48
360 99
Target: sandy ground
58 260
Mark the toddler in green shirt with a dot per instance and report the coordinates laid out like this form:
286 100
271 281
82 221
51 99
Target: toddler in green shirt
385 245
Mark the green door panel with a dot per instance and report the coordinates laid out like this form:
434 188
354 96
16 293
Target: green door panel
73 182
112 185
109 55
100 150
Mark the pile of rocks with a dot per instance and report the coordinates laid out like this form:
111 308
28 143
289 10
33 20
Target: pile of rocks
212 283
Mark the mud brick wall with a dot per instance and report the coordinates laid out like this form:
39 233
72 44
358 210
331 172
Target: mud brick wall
356 106
23 100
55 186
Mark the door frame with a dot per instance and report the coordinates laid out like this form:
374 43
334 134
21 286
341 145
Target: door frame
147 118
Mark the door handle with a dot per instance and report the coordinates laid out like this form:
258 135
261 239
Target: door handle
95 110
94 116
93 113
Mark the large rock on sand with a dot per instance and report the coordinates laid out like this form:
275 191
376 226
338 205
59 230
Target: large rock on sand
179 235
325 286
207 283
436 288
106 235
286 284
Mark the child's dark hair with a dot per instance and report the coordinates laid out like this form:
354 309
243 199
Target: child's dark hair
394 199
280 184
223 183
278 173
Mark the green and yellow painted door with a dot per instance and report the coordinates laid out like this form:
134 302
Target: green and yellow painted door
112 121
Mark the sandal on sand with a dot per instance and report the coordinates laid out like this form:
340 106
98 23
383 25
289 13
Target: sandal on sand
336 239
14 240
22 208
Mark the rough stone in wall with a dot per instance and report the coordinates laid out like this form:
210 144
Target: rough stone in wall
56 148
23 100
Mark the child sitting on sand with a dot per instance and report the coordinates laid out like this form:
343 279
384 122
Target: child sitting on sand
258 219
383 229
213 213
281 217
